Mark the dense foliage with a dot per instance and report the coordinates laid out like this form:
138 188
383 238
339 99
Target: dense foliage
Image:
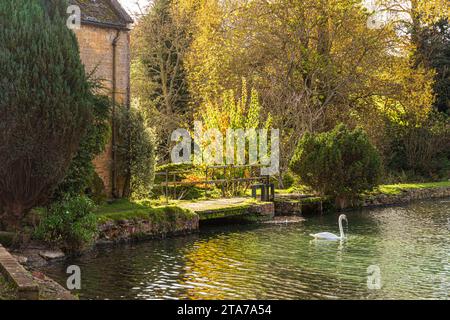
81 177
419 150
136 153
434 51
341 163
69 224
44 103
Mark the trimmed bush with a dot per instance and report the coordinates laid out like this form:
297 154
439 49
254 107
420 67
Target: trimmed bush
69 224
340 163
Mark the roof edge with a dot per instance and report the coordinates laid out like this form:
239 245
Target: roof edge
105 25
121 11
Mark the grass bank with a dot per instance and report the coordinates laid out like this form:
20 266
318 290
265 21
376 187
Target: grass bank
395 189
181 211
388 189
141 210
393 194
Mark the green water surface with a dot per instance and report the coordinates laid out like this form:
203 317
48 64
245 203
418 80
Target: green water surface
410 246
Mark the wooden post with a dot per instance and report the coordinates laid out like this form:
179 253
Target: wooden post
272 192
167 186
206 184
175 186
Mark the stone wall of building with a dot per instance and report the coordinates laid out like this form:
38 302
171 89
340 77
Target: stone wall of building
96 51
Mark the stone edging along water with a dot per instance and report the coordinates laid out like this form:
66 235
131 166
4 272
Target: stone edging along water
16 274
126 230
299 204
136 229
405 196
141 229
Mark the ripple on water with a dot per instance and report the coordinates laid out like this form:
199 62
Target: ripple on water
410 245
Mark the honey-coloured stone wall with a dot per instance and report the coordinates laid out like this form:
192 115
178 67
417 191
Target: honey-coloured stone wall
96 50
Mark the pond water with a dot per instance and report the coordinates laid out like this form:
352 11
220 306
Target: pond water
409 246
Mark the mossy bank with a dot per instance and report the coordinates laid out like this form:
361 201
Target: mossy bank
385 195
123 220
127 221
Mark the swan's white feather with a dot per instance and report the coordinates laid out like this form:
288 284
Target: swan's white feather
326 236
332 236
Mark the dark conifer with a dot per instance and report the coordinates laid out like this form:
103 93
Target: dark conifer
44 103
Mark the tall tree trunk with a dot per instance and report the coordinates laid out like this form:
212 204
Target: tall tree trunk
324 45
416 25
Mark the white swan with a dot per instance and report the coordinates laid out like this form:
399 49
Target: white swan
331 236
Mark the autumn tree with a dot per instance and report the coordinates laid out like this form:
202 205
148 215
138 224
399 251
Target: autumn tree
420 136
411 15
44 103
425 33
312 63
160 43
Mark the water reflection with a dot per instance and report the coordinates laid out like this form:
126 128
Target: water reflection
410 246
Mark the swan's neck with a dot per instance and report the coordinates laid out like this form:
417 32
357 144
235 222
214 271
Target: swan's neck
341 229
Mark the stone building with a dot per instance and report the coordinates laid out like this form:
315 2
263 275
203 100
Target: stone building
104 41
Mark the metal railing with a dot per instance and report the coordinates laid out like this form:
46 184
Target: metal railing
230 181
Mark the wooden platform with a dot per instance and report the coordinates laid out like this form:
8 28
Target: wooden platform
231 207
